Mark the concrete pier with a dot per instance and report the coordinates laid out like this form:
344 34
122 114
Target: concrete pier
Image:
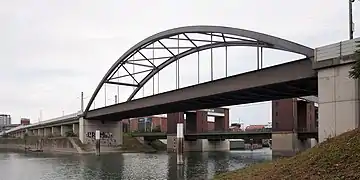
65 129
56 130
47 131
111 132
338 93
197 122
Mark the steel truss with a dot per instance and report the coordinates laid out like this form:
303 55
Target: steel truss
211 37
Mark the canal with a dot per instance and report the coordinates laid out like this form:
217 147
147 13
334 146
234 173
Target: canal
129 166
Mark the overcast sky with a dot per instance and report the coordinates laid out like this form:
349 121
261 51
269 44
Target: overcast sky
50 51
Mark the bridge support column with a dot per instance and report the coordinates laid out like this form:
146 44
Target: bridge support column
56 130
76 129
47 131
222 122
338 101
172 129
35 132
290 117
41 132
29 132
288 144
111 132
196 122
22 134
64 129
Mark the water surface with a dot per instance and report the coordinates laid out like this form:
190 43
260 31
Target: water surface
131 166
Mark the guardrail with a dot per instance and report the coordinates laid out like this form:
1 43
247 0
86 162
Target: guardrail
336 50
266 130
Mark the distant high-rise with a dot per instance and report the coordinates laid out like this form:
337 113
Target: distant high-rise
5 119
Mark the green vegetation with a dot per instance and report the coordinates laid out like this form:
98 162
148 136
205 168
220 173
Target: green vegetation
355 70
158 145
336 158
131 144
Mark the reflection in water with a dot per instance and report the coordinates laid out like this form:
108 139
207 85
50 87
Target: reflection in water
17 165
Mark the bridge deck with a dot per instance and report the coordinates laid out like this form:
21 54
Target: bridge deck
293 79
224 135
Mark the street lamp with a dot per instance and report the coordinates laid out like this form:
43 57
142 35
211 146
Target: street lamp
351 23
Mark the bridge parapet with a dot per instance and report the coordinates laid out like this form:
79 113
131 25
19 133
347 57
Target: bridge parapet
335 54
57 120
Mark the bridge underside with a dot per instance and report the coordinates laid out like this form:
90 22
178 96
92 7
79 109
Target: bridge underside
225 135
293 79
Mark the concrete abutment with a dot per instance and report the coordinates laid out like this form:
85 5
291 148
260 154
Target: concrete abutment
111 132
338 93
288 144
338 101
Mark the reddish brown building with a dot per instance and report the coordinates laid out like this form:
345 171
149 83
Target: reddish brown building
154 123
254 127
294 115
24 121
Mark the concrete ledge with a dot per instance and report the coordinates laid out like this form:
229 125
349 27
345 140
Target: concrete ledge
333 62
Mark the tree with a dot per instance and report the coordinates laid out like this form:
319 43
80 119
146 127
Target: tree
355 69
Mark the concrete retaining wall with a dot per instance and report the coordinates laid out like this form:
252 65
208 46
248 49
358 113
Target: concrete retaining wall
56 144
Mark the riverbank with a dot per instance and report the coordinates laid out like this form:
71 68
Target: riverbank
73 145
336 158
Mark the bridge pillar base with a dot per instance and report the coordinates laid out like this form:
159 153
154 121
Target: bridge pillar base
221 145
111 132
199 145
288 144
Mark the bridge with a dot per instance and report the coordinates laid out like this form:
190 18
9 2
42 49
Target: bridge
322 72
149 136
293 79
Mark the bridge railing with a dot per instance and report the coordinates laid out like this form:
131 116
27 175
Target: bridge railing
336 50
299 130
58 119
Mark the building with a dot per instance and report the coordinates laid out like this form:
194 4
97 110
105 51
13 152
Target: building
294 115
268 125
155 123
145 124
5 119
254 127
24 121
236 127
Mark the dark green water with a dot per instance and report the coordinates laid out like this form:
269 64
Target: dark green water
132 166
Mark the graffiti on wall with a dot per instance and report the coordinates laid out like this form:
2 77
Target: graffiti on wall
106 138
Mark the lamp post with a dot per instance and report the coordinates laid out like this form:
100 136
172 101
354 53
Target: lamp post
351 23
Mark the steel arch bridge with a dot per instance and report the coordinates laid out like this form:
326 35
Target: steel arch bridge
226 37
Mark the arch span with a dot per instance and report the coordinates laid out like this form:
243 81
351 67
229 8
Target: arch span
230 37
